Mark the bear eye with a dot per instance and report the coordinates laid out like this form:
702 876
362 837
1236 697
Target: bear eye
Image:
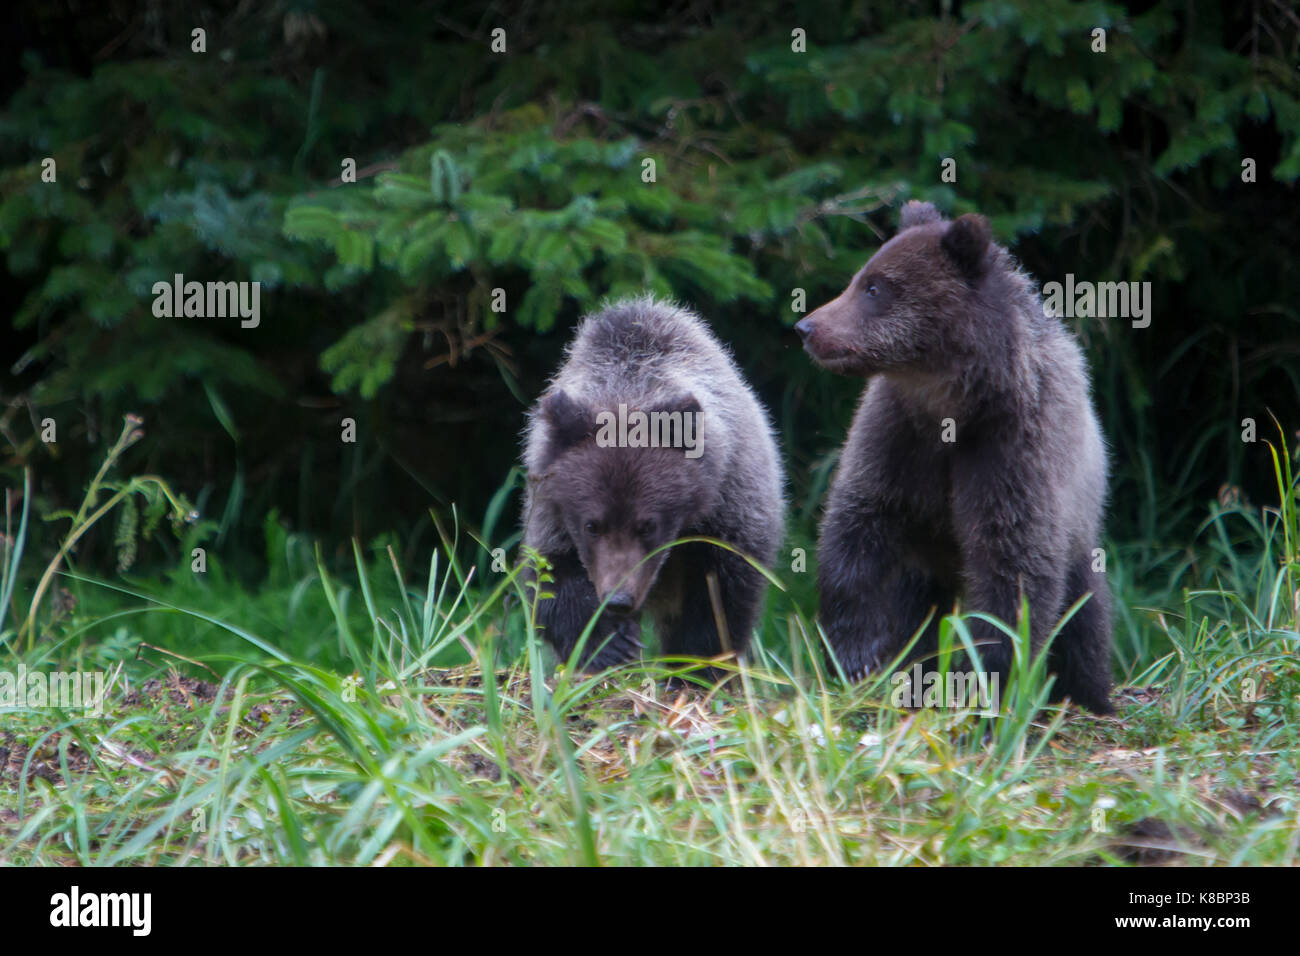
644 528
873 290
592 528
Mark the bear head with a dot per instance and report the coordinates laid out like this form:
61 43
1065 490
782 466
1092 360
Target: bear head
903 309
619 503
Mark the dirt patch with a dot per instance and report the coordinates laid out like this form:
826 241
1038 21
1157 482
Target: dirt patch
43 756
177 689
1153 842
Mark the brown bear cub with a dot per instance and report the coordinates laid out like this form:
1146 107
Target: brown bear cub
974 468
648 434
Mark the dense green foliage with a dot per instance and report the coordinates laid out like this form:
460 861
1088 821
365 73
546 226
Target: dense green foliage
522 171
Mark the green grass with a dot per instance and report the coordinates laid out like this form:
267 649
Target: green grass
361 716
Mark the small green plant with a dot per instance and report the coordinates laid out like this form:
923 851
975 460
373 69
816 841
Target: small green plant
158 501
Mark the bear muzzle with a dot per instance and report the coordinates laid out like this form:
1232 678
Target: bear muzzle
819 334
622 577
621 602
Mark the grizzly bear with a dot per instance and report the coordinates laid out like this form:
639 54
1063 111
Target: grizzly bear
645 435
974 468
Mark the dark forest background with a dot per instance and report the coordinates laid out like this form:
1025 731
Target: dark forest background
521 171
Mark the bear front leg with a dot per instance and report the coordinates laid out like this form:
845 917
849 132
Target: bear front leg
1009 551
873 598
692 628
562 618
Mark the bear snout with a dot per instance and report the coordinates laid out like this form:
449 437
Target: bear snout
619 574
621 602
822 334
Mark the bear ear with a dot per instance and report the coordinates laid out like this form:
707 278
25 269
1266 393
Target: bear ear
684 402
917 213
966 242
570 422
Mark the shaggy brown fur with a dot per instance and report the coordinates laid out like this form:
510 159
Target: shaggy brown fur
596 513
954 338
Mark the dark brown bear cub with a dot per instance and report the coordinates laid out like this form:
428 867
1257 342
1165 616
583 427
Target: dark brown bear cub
974 467
648 434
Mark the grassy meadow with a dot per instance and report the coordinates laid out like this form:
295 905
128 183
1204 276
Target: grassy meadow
357 709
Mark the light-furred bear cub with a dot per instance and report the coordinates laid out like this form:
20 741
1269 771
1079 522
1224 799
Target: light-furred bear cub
648 434
974 467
